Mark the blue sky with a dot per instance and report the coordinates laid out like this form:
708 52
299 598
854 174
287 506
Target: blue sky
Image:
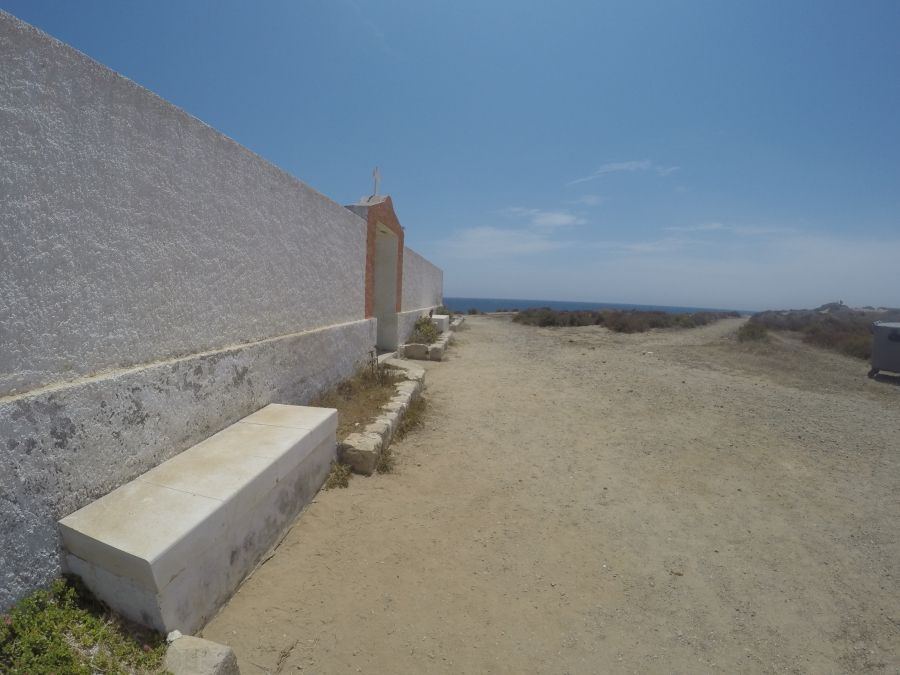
714 153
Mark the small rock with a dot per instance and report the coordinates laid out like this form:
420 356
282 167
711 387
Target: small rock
195 656
174 635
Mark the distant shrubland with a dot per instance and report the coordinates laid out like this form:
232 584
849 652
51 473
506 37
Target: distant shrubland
620 321
752 332
832 326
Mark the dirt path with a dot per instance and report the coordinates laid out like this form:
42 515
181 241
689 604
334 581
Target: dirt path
575 504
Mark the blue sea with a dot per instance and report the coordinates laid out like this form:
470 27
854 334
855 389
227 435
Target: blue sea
463 305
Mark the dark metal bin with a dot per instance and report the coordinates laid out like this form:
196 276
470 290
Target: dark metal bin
885 347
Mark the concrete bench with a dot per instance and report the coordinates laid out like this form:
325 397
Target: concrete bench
170 547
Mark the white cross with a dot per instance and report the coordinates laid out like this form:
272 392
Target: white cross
376 176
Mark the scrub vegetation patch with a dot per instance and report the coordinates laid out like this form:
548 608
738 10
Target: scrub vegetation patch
833 326
618 321
359 399
64 629
424 332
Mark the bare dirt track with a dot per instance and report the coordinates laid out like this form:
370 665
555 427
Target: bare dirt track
586 502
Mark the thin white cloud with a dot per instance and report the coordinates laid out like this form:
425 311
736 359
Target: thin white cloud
555 219
530 231
666 244
495 242
742 230
629 166
541 218
587 200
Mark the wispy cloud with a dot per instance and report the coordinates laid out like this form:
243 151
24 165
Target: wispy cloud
527 231
541 218
629 166
496 242
662 245
587 200
742 230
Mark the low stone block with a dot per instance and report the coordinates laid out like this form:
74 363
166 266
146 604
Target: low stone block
391 418
398 407
194 656
408 387
379 427
413 371
441 322
436 352
415 351
360 452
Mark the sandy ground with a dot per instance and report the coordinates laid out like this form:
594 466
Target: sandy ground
585 502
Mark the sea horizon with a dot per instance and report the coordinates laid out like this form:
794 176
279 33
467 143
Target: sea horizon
464 304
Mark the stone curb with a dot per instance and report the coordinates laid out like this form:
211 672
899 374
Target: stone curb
432 352
361 450
187 655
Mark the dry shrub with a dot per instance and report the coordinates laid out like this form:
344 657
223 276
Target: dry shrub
386 461
339 476
619 321
833 326
424 332
360 398
752 332
413 418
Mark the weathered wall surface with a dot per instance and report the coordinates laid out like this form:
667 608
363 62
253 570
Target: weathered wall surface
423 282
157 283
131 231
63 447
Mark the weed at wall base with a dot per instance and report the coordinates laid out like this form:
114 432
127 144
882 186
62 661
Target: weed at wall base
413 418
339 476
424 332
386 461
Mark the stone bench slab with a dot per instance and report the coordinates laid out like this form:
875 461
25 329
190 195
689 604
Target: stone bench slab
168 548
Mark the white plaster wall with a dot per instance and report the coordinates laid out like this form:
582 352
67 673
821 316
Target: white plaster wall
423 282
132 232
158 282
